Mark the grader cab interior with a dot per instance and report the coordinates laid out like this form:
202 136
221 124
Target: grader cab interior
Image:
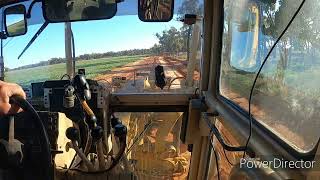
161 89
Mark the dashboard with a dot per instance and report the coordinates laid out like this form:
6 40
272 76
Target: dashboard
48 99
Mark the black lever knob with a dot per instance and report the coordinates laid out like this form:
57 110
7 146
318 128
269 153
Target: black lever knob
97 133
115 121
120 130
92 121
72 133
82 86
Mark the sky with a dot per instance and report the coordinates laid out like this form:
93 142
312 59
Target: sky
116 34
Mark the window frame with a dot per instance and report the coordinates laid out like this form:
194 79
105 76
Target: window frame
236 118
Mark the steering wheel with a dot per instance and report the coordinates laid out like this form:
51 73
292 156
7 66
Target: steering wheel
10 151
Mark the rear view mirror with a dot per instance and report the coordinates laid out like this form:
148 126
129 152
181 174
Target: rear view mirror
155 10
78 10
15 20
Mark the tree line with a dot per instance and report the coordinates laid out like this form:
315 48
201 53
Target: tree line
84 57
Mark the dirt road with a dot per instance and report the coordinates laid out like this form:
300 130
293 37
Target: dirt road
137 72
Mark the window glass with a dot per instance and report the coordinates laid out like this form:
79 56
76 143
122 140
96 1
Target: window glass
122 52
286 96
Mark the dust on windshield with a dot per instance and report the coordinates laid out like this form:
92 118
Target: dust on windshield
286 96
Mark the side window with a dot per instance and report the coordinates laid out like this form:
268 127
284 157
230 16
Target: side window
286 97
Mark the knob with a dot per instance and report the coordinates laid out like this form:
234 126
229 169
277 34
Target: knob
72 133
91 121
120 130
115 121
97 133
82 86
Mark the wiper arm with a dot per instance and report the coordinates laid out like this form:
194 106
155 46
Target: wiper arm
44 25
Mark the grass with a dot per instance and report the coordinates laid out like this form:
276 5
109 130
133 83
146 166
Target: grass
17 28
93 67
239 83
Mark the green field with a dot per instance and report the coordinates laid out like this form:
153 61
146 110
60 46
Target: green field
17 28
93 68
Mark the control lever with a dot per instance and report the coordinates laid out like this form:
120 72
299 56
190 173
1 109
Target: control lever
44 140
95 133
73 135
10 151
82 87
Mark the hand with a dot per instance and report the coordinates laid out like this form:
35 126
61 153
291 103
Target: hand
6 91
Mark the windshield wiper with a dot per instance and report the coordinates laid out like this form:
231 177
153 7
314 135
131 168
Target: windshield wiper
44 25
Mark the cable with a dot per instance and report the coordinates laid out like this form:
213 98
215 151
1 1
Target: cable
215 131
73 52
260 69
215 154
225 155
217 163
225 146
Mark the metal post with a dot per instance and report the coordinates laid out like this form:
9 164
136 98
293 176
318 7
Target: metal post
188 42
68 50
193 53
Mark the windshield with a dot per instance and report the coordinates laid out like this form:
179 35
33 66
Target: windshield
119 51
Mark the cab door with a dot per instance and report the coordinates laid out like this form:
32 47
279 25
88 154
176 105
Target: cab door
272 115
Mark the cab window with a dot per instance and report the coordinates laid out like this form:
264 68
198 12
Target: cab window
286 96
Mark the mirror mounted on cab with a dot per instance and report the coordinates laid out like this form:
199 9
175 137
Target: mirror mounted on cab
155 10
55 11
15 22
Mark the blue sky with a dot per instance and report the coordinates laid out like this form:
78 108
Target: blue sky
116 34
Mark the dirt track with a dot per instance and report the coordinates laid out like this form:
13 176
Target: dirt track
174 68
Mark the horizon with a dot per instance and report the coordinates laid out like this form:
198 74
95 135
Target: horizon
106 57
127 33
